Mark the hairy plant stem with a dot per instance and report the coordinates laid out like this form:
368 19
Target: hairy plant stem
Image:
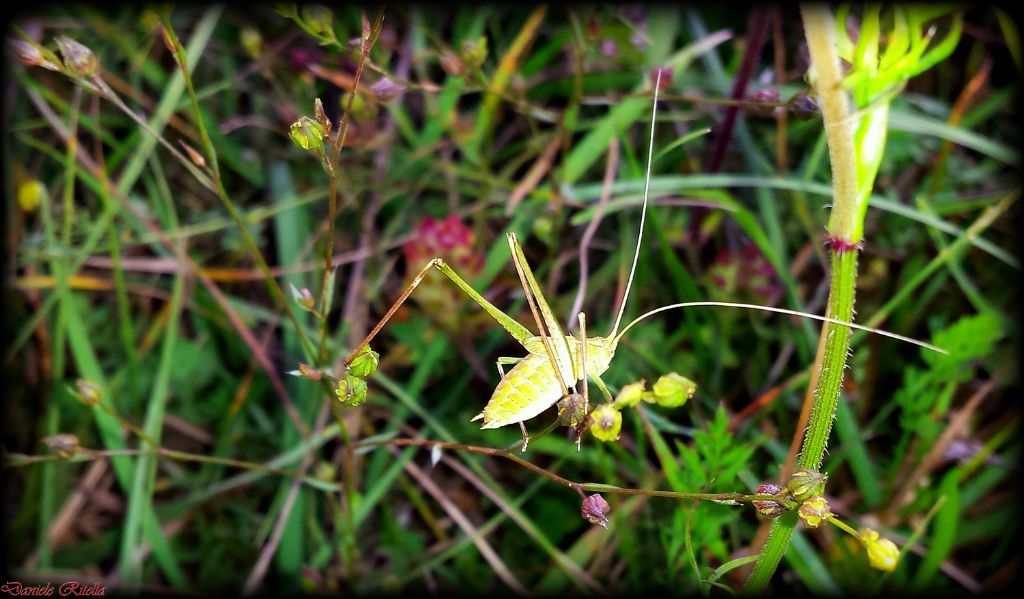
845 230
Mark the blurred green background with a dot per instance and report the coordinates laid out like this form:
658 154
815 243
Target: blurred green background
470 122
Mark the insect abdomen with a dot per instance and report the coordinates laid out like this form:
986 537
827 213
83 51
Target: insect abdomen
527 390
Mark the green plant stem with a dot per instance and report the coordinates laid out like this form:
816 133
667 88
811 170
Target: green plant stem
845 229
333 165
261 263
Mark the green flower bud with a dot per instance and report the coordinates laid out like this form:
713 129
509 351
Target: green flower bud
351 390
308 134
252 42
672 390
303 297
883 554
805 484
474 53
365 363
814 511
78 59
325 471
605 423
630 395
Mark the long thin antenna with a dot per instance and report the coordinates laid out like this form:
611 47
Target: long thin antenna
643 211
615 340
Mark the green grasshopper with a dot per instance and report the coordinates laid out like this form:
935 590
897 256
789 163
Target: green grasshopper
556 362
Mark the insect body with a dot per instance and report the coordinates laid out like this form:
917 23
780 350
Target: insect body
532 387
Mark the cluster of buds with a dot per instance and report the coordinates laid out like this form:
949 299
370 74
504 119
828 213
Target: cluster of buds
669 391
351 388
805 491
76 60
770 508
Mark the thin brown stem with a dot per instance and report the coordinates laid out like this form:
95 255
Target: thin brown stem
565 482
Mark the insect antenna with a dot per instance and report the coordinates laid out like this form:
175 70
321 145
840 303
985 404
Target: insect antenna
643 210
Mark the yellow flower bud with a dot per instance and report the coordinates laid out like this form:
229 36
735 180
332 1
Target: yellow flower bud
30 193
814 511
605 423
883 554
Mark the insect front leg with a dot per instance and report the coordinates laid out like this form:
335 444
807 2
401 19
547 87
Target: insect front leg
526 437
505 362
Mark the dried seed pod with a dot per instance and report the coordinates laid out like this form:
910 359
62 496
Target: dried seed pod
769 508
321 117
571 410
65 445
595 510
